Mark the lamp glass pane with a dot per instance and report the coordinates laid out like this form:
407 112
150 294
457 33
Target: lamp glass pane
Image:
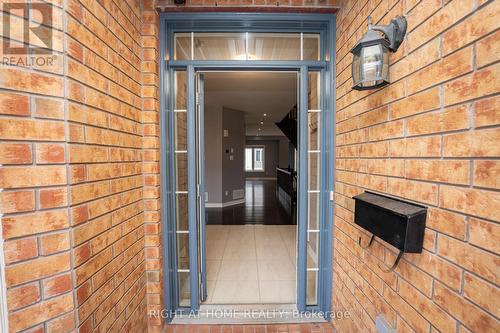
356 69
372 62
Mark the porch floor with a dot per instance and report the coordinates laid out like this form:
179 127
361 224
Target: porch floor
271 328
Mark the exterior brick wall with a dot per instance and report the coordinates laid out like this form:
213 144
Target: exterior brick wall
254 5
431 137
78 186
35 200
80 169
151 166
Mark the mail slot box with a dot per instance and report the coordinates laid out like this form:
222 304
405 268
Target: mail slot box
397 222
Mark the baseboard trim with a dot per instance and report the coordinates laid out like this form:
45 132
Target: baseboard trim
224 204
261 178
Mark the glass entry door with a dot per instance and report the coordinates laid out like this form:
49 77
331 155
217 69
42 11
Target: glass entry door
200 185
190 192
188 188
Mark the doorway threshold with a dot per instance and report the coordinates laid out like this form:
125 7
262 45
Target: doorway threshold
248 314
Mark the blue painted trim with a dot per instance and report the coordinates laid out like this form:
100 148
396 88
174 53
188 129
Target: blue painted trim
323 190
330 101
192 211
302 191
201 125
269 22
248 65
165 177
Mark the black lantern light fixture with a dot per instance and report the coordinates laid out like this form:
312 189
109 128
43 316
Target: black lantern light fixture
370 66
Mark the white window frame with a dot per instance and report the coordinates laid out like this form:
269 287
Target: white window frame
254 147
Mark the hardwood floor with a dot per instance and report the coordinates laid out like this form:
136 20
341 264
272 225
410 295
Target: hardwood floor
261 207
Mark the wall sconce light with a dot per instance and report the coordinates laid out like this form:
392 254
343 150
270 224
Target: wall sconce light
370 66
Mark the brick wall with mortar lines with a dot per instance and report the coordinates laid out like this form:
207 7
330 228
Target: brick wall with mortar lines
153 249
36 225
72 137
151 166
395 156
258 4
431 137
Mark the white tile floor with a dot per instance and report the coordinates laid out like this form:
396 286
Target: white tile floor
250 264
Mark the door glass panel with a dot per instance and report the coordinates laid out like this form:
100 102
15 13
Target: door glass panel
248 159
312 287
182 250
311 46
184 289
181 206
314 186
180 130
219 46
181 184
312 249
180 90
182 46
181 171
313 130
313 211
259 159
274 46
313 169
314 91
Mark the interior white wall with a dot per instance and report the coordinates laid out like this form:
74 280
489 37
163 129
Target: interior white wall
233 153
223 175
213 151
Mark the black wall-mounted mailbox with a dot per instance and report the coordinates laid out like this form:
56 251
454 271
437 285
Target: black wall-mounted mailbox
397 222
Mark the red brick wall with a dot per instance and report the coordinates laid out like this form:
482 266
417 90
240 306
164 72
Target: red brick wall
252 5
151 165
81 210
77 183
432 137
36 221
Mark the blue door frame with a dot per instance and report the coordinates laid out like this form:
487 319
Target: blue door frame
324 24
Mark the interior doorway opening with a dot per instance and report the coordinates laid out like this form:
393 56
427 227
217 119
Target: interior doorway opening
250 149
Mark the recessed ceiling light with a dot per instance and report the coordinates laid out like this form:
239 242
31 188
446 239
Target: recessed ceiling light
262 123
265 114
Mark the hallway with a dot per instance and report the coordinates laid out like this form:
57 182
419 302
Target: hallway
261 207
251 264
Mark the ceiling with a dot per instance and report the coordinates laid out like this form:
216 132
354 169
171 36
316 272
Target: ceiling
256 94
